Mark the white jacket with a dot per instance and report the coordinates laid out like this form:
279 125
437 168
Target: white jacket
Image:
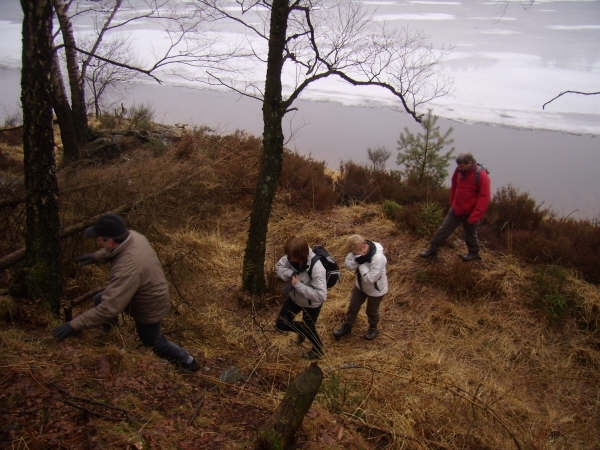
373 276
310 292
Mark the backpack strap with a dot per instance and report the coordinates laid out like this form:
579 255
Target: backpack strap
312 263
477 172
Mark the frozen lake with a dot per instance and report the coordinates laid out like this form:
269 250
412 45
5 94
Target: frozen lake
505 59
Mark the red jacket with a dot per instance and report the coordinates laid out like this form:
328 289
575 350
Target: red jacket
468 199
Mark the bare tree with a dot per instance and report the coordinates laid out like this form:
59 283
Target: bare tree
75 76
39 277
378 157
307 41
64 114
101 66
102 75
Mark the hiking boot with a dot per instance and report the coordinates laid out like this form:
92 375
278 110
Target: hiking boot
342 331
191 366
371 334
300 339
429 253
470 257
312 354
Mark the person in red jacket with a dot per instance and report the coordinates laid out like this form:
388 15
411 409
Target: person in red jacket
470 195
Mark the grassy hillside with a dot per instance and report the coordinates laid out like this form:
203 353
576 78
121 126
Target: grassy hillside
497 354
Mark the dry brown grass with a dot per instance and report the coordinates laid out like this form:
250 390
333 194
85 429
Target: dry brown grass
464 360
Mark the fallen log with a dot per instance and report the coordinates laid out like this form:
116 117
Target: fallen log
14 257
280 433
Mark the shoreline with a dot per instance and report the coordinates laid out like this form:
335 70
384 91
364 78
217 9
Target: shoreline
558 169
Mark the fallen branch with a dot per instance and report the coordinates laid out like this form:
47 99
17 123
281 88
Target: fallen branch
80 402
196 411
569 92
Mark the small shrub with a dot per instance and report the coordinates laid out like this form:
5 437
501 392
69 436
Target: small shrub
237 164
461 281
186 147
140 117
549 291
341 394
356 183
390 185
569 243
423 219
108 121
306 183
411 193
514 210
392 210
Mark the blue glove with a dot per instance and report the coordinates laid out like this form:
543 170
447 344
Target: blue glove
86 258
62 331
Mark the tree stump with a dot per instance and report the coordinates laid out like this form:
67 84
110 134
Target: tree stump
280 433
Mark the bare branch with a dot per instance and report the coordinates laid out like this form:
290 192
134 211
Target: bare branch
245 93
123 65
220 14
569 92
339 39
105 27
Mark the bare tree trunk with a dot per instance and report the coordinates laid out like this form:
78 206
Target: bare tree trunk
64 113
253 275
75 74
281 432
40 277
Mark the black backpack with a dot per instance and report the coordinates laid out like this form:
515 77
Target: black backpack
332 269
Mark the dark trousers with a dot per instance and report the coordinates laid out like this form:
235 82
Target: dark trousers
357 298
450 223
307 327
151 336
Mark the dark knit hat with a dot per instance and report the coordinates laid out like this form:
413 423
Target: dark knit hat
107 225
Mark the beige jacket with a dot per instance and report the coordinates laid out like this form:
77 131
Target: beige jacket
137 284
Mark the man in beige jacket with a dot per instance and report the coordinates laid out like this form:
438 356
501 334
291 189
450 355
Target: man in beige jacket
137 285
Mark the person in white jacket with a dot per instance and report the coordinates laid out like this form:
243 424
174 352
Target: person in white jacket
368 261
305 291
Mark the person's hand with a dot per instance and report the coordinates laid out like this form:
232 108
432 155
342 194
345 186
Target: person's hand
295 280
62 331
86 258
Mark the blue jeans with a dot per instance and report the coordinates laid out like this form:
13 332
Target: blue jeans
307 328
450 223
